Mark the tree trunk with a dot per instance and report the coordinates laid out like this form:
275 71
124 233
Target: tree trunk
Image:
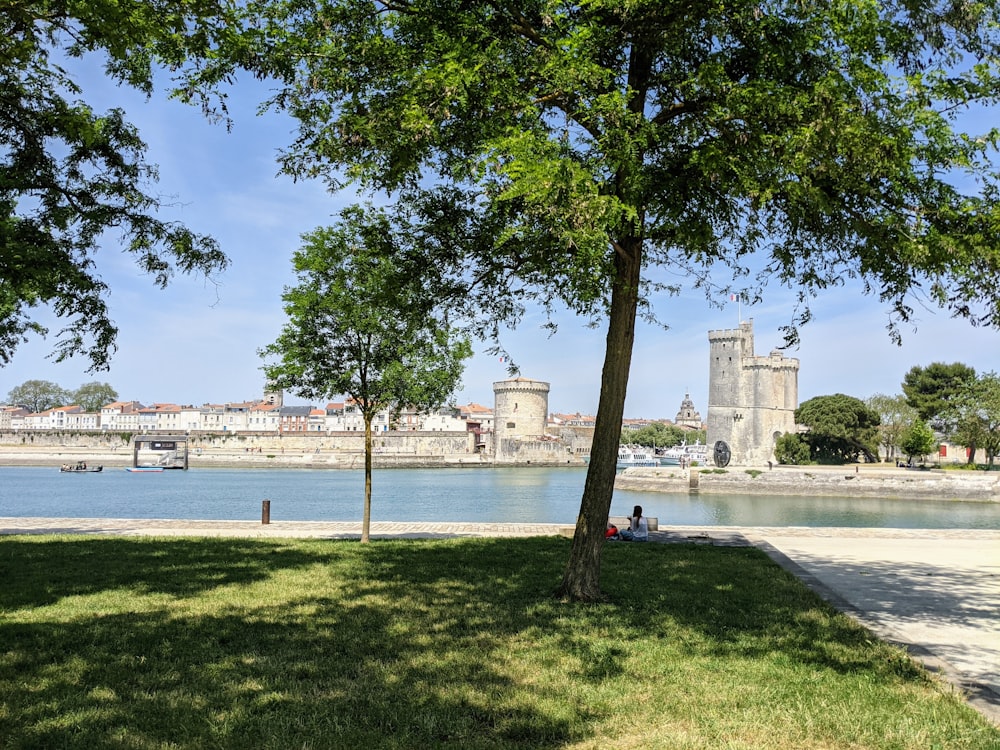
582 578
366 520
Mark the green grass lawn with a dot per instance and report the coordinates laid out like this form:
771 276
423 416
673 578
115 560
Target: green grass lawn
457 643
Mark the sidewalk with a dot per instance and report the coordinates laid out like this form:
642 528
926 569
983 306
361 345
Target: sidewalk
934 592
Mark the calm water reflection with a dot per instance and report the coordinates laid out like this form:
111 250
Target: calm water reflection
545 495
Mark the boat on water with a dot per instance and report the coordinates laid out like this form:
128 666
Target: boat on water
683 454
631 455
80 468
144 468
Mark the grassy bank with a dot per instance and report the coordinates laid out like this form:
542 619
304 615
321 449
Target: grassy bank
232 643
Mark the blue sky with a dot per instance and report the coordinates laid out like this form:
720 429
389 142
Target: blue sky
196 341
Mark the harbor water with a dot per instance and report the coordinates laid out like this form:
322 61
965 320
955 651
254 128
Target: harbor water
496 495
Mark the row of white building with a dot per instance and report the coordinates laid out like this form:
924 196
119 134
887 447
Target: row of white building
267 416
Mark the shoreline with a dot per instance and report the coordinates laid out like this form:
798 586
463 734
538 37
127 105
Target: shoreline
860 480
221 458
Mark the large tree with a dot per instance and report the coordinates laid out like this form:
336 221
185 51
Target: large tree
39 395
841 428
586 152
974 413
69 175
363 322
92 396
931 389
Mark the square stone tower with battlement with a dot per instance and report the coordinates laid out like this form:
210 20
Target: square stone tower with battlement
751 399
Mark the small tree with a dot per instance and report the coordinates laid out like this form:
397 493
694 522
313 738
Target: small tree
918 440
361 322
895 415
92 396
39 395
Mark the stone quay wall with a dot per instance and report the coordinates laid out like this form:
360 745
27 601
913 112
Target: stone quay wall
819 481
337 450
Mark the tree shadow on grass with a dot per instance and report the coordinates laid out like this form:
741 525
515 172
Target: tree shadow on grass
456 643
43 570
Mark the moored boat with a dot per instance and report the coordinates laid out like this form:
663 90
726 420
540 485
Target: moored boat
683 455
80 468
144 468
631 455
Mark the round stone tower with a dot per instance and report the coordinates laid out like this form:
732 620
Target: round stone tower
520 410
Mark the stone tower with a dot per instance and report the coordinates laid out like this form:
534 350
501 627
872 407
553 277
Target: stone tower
688 416
273 396
520 410
751 400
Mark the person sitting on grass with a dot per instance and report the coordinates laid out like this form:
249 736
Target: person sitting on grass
638 530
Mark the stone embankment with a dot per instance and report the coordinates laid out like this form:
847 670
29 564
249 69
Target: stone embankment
840 481
266 458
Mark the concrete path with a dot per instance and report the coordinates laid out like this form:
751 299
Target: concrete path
934 592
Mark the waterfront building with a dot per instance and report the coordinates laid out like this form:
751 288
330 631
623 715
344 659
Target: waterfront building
7 415
80 420
121 416
751 399
264 417
293 419
520 416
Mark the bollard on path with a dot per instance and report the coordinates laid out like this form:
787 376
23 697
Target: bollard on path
265 512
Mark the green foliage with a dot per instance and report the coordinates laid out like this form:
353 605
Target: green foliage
895 416
582 153
68 174
660 435
792 449
363 321
930 389
93 396
918 441
39 395
754 473
841 428
974 413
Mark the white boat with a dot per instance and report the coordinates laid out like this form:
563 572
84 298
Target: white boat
630 455
684 453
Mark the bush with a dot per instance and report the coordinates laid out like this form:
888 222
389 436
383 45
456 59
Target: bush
792 449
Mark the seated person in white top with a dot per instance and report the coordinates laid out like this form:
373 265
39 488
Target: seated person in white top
637 530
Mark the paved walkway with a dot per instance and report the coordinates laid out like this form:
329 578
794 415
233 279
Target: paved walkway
935 592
